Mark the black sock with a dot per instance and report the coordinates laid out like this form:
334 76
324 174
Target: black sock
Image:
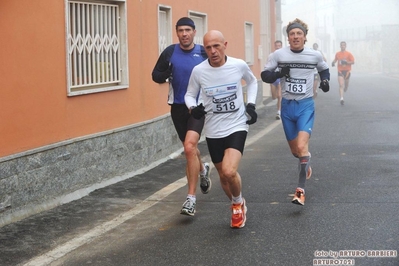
303 169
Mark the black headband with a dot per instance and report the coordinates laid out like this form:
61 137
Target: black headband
296 25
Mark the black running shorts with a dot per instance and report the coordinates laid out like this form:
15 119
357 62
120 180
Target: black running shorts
183 121
217 147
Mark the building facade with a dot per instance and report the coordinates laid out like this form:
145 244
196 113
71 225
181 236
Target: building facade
79 109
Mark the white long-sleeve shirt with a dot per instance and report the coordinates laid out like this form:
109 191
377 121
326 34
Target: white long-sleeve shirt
300 83
222 95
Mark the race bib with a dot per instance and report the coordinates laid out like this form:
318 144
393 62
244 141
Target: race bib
295 86
224 98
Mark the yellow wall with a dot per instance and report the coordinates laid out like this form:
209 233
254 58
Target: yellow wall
34 108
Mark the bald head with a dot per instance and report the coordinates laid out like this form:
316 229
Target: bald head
213 34
215 46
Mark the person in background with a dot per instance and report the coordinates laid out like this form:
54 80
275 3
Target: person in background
316 81
275 87
218 80
175 65
345 61
295 65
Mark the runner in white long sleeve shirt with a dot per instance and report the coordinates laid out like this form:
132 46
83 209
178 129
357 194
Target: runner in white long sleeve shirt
218 80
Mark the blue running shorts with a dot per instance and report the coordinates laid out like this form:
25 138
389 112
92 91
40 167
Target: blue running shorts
297 116
276 83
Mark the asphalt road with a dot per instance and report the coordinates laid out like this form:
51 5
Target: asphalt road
351 208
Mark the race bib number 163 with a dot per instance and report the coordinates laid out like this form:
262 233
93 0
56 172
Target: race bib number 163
295 86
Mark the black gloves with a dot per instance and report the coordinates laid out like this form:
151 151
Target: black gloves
250 109
343 62
325 85
284 72
198 112
333 64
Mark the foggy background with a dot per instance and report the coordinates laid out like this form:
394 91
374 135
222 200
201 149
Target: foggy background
369 27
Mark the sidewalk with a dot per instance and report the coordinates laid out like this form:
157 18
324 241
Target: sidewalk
31 237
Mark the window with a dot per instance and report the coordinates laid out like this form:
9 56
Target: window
164 27
249 43
96 46
200 26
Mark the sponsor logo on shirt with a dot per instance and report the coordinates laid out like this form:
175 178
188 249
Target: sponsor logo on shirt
298 65
225 99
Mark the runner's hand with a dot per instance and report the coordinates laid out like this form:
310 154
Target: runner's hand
325 85
198 112
333 64
250 109
284 72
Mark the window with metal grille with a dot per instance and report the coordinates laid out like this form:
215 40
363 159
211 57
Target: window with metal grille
200 25
164 27
249 43
96 50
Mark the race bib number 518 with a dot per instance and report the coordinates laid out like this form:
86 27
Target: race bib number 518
224 98
226 104
295 86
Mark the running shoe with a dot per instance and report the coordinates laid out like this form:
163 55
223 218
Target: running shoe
278 116
188 207
205 181
239 215
299 197
342 101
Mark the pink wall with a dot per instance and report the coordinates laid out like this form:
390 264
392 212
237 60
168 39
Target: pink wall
35 110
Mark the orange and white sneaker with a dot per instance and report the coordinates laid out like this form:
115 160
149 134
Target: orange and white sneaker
239 215
299 197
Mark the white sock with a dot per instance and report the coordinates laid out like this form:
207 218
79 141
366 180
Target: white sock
278 112
192 197
203 172
236 200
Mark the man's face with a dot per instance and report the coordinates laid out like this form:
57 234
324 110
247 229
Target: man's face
315 46
277 45
186 36
296 39
343 46
215 49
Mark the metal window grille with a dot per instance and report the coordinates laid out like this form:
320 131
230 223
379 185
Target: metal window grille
164 30
199 21
93 45
249 43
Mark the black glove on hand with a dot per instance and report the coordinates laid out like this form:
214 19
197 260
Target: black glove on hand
325 85
250 109
284 72
343 62
198 112
333 64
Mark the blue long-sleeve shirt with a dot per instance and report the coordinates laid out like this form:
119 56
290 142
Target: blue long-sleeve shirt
176 65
